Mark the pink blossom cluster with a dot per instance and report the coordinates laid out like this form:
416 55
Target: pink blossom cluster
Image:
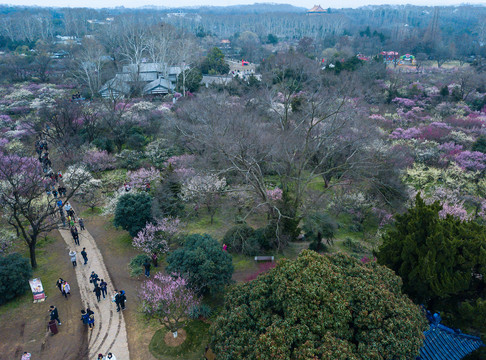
377 117
407 134
140 178
167 296
182 165
450 149
365 259
99 160
156 237
472 121
123 106
384 216
456 210
434 132
471 160
404 102
274 194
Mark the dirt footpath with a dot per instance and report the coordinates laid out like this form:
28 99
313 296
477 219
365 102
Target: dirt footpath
25 328
116 256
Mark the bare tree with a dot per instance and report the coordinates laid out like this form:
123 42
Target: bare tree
89 65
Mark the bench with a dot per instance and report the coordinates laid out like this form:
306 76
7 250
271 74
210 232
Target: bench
264 258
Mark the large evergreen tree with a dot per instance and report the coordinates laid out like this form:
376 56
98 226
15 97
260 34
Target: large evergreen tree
133 211
436 258
319 307
203 263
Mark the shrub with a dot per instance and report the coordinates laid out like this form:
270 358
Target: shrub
133 211
265 237
136 264
199 311
353 245
15 272
203 263
240 240
319 307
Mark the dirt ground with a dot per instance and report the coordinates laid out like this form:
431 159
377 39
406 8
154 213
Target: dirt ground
117 254
24 328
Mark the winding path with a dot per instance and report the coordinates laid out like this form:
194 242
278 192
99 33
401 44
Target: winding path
109 333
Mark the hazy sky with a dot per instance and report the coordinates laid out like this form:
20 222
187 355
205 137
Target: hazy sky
302 3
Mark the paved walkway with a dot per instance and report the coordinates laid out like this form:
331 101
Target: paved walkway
109 333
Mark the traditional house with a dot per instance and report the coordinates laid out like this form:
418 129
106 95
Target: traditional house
158 86
443 343
152 78
115 88
316 10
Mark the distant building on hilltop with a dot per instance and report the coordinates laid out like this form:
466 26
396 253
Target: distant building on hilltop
316 10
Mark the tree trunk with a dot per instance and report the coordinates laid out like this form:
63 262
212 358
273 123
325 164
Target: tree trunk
33 260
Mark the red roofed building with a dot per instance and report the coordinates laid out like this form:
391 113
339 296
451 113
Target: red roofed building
316 10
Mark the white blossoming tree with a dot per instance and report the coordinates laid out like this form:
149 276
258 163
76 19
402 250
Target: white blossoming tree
205 190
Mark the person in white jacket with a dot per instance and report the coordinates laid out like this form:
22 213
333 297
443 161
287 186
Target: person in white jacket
72 255
110 356
66 289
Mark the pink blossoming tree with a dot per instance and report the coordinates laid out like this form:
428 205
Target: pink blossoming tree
155 238
140 178
168 299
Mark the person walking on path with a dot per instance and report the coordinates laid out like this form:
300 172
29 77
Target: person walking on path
94 278
103 286
97 291
59 284
66 289
90 315
146 265
81 223
54 314
84 317
100 357
116 300
84 254
122 298
74 232
72 254
110 356
26 356
91 321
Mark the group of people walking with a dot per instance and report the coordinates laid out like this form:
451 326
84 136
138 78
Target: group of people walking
68 218
64 287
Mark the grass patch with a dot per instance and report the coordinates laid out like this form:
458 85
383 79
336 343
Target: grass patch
47 270
124 240
192 348
92 212
243 263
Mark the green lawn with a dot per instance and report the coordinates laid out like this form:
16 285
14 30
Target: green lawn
192 348
47 270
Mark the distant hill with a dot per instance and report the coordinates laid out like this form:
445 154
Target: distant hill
257 8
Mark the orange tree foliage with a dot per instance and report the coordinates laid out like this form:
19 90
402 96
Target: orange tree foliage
319 307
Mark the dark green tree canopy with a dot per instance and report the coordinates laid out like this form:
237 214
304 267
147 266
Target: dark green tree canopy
15 272
191 80
214 63
319 307
133 211
203 263
436 258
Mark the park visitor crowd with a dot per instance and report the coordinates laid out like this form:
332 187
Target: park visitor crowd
55 187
